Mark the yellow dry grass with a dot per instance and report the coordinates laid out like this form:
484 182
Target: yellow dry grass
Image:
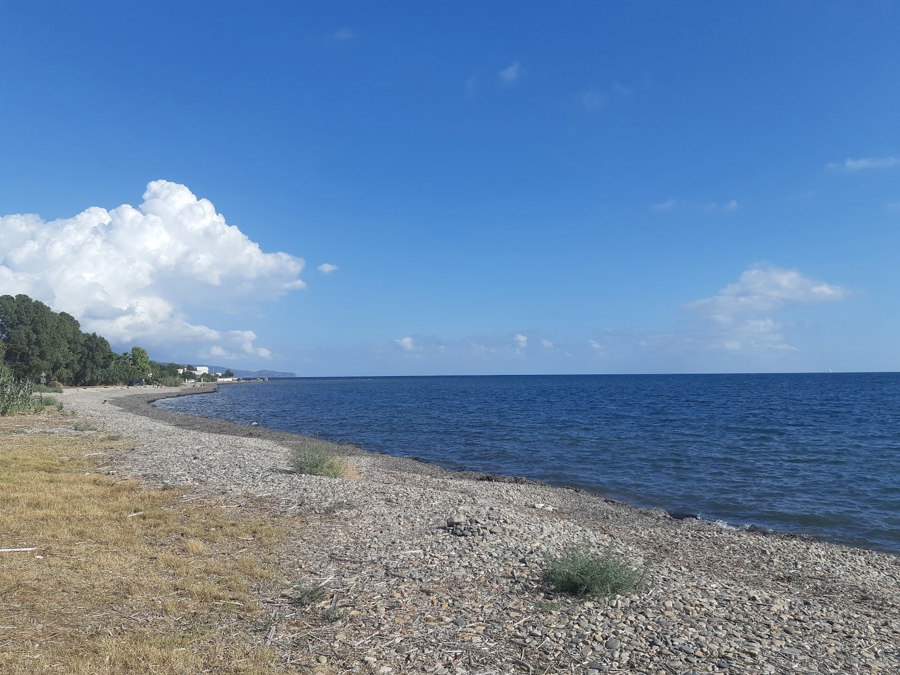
122 579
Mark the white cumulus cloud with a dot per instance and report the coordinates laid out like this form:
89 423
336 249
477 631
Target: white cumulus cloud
327 268
134 274
739 313
765 288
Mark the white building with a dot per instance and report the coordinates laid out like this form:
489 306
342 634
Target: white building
198 370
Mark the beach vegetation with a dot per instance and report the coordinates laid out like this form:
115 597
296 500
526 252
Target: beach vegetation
47 389
306 593
101 574
579 571
84 426
16 396
171 381
337 507
49 402
315 457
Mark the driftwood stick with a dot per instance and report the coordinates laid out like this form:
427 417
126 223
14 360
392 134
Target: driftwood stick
326 581
17 550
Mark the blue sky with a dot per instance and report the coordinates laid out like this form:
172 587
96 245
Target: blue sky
359 188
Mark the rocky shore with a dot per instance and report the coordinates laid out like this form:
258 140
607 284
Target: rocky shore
419 570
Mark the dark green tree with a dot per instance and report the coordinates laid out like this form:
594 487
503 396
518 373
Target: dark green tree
37 342
96 363
140 364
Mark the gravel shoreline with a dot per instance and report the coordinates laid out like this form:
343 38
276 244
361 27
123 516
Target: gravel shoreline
405 592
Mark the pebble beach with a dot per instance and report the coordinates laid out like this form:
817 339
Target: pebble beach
428 571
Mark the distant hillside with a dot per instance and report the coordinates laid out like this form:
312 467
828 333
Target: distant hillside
251 373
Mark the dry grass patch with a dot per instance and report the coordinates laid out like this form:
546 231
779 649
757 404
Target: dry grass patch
122 579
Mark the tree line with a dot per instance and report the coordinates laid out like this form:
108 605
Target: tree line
40 345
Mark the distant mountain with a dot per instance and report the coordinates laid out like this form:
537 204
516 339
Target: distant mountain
251 373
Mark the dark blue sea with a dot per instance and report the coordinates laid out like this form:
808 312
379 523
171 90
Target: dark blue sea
817 454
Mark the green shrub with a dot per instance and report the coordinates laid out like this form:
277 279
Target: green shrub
580 572
171 381
44 389
16 395
306 593
317 458
49 402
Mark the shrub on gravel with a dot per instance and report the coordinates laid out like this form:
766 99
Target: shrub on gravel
318 458
580 572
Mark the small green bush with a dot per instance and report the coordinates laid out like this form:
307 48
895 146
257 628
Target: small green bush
45 389
305 593
317 458
581 572
50 402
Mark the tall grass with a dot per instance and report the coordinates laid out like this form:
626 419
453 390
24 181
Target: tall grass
16 395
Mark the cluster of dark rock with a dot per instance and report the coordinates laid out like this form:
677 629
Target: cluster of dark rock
462 525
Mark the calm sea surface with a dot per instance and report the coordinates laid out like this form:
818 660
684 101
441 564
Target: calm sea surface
816 454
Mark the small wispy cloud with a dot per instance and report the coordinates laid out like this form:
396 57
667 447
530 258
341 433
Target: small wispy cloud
863 163
594 99
730 205
343 35
597 98
521 341
710 207
511 74
327 268
407 344
596 346
666 206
